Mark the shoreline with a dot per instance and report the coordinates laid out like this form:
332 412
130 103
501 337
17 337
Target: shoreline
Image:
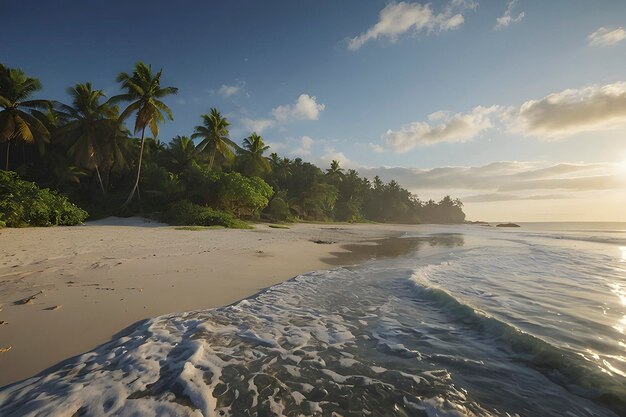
67 290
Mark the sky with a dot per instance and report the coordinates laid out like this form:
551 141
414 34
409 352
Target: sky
516 107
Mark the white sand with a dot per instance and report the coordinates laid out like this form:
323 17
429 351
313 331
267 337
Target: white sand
92 281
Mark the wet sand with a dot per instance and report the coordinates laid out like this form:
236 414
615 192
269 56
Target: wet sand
65 290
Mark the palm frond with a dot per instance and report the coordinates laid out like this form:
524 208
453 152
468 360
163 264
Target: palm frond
36 104
7 125
22 129
4 102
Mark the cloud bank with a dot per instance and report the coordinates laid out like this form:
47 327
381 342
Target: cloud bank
507 180
521 191
555 116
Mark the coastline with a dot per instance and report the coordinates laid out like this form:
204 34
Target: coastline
66 290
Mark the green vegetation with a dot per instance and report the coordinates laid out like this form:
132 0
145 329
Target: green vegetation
85 151
278 226
22 203
186 213
198 228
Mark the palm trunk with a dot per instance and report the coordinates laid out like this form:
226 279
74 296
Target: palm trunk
107 179
136 186
211 160
100 181
8 148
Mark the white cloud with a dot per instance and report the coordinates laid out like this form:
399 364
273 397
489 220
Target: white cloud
447 128
398 18
306 142
299 147
229 91
306 107
333 155
376 147
507 18
605 36
573 111
257 125
555 116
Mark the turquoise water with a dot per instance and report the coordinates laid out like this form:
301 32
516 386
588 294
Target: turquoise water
474 321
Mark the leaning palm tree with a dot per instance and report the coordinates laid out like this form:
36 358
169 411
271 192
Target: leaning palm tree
254 163
90 129
143 91
214 135
19 116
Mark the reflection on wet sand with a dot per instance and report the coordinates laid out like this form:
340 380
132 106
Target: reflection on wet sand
391 247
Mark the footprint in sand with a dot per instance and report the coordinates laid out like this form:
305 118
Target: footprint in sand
56 307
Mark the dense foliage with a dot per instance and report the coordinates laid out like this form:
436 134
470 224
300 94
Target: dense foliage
186 213
85 151
22 203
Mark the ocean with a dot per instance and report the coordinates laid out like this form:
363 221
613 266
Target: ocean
468 321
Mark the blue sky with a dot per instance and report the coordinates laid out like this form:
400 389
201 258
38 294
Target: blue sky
377 84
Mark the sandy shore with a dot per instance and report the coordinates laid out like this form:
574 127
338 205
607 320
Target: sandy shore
65 290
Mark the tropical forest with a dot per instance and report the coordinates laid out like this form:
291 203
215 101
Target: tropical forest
96 155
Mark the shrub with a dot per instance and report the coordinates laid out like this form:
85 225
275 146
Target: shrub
277 210
244 196
185 213
201 184
348 211
22 203
232 192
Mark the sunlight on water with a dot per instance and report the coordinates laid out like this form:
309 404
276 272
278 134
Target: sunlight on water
619 291
621 325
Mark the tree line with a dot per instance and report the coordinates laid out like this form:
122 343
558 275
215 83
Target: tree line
104 154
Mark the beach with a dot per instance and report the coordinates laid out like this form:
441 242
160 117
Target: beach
314 320
66 290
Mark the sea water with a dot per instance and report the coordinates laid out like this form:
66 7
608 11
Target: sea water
471 321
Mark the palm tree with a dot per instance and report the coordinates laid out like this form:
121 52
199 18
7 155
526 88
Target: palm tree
90 129
181 153
214 135
19 118
254 162
335 172
143 91
280 166
377 183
